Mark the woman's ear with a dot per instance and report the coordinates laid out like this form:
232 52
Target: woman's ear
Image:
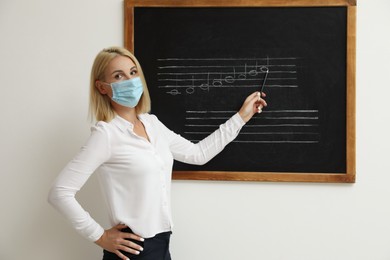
101 87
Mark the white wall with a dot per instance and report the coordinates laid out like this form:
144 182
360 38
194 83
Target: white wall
46 51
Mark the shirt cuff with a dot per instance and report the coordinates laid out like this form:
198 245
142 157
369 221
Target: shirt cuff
237 119
96 235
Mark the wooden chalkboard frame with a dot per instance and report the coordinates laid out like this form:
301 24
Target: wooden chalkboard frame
349 175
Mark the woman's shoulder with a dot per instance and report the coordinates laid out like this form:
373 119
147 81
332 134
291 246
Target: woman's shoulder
101 128
152 120
100 125
149 117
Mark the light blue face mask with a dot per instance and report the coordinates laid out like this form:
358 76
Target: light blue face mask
128 92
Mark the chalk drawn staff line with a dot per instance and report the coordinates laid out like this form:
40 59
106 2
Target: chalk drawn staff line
227 59
267 111
258 133
269 117
270 142
253 79
219 66
253 126
231 86
218 73
278 142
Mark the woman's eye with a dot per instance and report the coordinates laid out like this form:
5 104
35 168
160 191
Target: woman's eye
118 76
133 72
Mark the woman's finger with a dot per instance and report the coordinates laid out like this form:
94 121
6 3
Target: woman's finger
263 102
133 236
256 93
120 226
132 245
252 96
129 250
120 255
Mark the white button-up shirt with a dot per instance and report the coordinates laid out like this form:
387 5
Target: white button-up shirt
135 174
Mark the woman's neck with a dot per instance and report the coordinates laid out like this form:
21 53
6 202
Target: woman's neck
126 113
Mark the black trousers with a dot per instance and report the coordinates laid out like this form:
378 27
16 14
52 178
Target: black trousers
155 248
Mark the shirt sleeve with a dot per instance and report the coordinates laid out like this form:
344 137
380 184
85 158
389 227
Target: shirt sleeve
200 153
73 177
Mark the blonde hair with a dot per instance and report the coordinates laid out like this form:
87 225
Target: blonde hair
100 105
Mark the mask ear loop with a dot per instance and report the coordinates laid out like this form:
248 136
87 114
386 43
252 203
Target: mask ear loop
101 90
102 82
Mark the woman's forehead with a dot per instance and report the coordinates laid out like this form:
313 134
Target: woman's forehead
120 62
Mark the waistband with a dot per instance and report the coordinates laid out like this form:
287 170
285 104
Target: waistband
165 235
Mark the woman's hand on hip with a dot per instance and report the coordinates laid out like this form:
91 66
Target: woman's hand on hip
253 104
114 240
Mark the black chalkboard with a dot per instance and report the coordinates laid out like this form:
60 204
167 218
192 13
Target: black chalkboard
201 63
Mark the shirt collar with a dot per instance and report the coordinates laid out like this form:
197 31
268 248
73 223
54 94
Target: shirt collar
123 124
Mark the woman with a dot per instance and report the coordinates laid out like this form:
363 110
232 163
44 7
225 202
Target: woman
132 152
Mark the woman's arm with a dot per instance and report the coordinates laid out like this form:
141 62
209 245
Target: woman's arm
71 180
203 151
73 177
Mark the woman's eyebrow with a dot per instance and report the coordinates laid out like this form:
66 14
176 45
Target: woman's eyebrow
121 71
115 71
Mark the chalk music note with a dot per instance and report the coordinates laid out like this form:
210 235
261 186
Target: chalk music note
218 82
242 75
191 90
174 91
254 72
231 79
206 86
